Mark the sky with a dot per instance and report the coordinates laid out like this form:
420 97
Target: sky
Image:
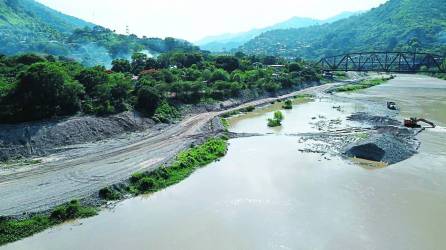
195 19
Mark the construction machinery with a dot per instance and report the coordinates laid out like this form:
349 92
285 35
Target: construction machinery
413 122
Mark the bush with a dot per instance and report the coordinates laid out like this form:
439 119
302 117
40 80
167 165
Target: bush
276 121
166 113
145 184
288 104
248 109
109 194
72 210
278 115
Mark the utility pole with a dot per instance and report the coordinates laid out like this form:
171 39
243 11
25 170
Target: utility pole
127 30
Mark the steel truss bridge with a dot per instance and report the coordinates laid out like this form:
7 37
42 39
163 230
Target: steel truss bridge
398 62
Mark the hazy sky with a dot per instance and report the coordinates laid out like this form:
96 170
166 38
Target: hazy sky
195 19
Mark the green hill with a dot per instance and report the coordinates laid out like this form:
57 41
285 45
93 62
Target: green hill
228 42
395 25
28 26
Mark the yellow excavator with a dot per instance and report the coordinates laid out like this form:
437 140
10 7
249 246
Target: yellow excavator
413 122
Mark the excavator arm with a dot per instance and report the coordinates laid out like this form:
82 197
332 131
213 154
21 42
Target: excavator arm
413 122
426 121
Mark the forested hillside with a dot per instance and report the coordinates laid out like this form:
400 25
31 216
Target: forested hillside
28 26
395 25
229 42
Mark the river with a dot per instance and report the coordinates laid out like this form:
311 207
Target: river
266 194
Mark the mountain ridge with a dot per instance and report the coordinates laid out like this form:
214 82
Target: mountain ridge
229 41
395 25
27 26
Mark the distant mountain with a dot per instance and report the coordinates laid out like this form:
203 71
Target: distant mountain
227 42
28 26
395 25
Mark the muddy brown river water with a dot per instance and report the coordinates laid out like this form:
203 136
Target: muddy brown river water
266 194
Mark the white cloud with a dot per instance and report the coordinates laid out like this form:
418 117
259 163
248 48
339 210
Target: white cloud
194 19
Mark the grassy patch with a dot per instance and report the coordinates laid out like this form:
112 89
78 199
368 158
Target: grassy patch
185 164
362 85
12 230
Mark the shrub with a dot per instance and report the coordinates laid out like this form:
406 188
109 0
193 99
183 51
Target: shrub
166 113
72 210
274 123
278 115
145 184
249 109
288 104
109 194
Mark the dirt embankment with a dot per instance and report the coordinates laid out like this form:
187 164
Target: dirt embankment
47 137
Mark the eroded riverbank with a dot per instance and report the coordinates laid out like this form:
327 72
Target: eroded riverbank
268 194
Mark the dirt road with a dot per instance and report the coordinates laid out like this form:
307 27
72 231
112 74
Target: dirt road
42 186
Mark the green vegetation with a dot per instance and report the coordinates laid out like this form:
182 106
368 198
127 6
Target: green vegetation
35 87
288 104
185 164
340 75
276 121
109 194
12 230
225 123
166 113
361 85
397 25
248 109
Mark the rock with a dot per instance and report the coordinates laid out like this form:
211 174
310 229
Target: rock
368 151
390 147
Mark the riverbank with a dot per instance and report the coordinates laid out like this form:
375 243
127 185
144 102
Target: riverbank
269 192
83 171
149 181
185 164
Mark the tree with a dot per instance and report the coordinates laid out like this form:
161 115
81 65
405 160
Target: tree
29 59
228 63
152 63
294 67
114 95
219 75
45 90
148 100
92 77
121 66
138 63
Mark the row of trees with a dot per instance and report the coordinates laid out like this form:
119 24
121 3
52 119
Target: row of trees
34 87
